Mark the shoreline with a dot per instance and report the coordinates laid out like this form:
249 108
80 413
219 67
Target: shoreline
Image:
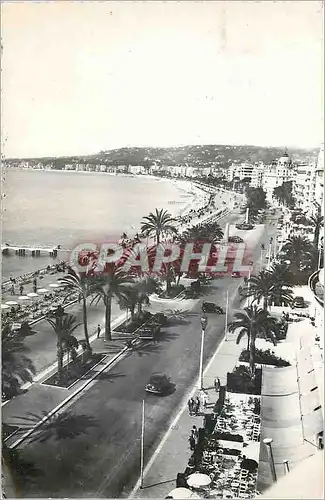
197 198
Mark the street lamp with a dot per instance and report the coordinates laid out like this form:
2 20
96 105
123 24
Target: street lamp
226 315
204 322
268 443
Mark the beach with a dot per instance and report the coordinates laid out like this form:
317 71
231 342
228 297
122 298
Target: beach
50 208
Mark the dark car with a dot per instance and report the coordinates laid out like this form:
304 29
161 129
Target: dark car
211 307
298 302
159 385
244 226
235 239
235 274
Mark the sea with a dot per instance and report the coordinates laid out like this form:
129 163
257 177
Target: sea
50 208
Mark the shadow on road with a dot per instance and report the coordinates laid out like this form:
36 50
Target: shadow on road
108 377
157 484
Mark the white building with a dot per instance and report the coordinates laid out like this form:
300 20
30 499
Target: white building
242 171
319 182
137 169
303 187
276 174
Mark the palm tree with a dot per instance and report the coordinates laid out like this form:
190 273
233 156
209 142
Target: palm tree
298 251
80 284
17 368
128 301
269 286
158 224
63 325
317 221
202 233
145 286
113 283
252 322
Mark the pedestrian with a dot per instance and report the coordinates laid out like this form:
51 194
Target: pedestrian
191 440
12 289
190 405
98 331
21 289
215 383
195 433
197 405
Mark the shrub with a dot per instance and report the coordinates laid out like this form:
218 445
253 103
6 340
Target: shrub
240 381
172 292
266 357
226 436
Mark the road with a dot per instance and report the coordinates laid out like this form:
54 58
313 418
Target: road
105 461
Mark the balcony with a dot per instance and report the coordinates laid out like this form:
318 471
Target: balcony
316 284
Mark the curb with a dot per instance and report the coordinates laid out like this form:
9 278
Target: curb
69 398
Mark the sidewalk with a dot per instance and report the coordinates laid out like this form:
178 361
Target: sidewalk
173 452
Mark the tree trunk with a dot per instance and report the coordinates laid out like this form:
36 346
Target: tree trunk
265 303
252 355
158 238
60 359
316 236
132 312
248 338
108 311
84 310
68 359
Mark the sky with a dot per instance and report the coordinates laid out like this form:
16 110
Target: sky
81 77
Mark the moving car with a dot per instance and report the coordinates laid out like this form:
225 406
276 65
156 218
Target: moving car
298 302
159 385
211 307
235 274
235 239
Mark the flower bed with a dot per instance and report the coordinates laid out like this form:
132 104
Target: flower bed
172 293
226 436
266 357
240 381
130 326
74 371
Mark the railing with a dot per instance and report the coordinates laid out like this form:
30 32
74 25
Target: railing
313 284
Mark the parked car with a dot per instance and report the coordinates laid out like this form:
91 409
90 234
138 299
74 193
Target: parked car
211 307
244 226
235 274
235 239
159 385
298 302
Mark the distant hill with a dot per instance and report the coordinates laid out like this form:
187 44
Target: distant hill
206 155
